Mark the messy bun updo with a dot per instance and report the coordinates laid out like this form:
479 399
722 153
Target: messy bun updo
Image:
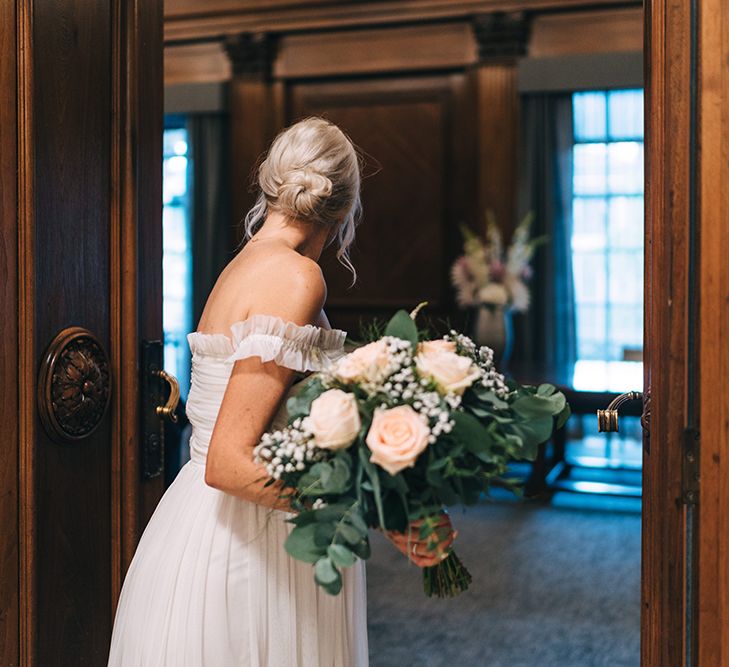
311 173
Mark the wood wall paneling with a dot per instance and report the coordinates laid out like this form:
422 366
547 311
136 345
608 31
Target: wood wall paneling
596 31
497 122
196 63
256 116
713 172
667 354
352 52
406 129
9 529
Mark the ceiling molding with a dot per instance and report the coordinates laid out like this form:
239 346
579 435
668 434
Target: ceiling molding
185 22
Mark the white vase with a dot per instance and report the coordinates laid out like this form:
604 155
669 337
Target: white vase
493 327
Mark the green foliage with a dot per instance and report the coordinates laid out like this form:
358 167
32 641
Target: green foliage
402 326
299 404
331 537
327 477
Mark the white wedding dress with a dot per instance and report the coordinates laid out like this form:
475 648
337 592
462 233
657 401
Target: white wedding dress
210 584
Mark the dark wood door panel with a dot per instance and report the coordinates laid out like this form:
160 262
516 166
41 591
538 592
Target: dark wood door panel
80 215
409 233
72 490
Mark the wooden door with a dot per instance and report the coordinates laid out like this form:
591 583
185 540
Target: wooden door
686 497
80 204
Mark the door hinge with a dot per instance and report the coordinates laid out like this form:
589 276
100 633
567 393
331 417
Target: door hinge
690 475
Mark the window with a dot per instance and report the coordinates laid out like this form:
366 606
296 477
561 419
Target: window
176 259
607 238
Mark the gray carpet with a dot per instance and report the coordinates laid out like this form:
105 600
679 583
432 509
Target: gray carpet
553 587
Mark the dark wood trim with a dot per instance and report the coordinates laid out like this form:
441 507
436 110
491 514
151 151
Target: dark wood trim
26 348
9 529
129 418
667 312
367 50
232 16
147 119
116 332
136 280
713 211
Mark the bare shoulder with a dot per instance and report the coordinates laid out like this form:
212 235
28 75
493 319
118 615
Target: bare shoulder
289 284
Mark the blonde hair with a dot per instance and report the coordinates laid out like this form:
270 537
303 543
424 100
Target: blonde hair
312 173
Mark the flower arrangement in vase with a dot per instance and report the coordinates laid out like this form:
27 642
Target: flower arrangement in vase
493 279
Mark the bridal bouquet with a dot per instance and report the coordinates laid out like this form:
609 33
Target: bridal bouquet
392 433
488 274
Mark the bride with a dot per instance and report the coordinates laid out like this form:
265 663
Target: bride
210 583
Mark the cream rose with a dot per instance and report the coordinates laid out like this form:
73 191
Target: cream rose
451 372
368 363
396 438
437 345
334 419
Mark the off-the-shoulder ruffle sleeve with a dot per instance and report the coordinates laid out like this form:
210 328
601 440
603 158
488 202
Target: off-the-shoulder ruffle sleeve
301 348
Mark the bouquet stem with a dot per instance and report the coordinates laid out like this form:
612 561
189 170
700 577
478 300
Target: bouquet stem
447 579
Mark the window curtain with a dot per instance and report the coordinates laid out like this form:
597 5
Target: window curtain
211 233
546 336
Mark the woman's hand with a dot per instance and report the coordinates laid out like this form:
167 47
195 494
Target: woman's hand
430 550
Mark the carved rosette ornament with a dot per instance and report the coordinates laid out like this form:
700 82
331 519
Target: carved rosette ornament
74 385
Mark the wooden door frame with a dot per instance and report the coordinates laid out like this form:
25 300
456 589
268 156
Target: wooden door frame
687 292
136 261
685 591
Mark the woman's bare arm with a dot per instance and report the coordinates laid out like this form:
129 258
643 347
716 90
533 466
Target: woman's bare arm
255 391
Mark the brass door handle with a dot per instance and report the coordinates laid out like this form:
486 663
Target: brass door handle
607 420
168 409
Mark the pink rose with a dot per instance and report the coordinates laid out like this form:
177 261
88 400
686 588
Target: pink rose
334 419
396 438
368 363
451 372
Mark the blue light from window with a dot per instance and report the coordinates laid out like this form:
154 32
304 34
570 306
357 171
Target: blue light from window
176 258
607 238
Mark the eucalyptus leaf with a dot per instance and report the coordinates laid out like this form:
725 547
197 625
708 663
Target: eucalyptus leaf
533 433
490 397
325 572
324 534
300 544
332 512
470 432
358 522
349 533
402 326
299 404
535 406
334 587
340 555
